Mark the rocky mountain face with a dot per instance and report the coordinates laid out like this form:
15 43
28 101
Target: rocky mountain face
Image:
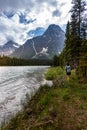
42 47
8 48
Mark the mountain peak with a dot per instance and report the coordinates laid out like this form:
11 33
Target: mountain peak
53 28
44 46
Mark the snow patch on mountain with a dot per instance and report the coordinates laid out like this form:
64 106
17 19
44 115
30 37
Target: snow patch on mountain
44 50
34 47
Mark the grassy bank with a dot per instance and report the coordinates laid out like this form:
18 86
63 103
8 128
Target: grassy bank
60 107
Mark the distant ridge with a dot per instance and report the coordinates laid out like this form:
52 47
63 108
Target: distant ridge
8 48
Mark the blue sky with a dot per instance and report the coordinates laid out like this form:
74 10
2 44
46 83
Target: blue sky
18 17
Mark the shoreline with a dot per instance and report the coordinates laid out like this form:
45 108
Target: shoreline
62 106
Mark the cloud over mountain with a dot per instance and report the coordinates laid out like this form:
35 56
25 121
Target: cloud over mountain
18 17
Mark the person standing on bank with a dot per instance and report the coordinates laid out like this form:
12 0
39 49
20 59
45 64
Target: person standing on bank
68 71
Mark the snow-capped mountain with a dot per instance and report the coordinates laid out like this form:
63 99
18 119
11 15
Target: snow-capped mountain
8 48
42 47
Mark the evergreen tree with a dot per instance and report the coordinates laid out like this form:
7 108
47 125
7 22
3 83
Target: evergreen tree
55 60
74 39
75 50
78 9
67 42
77 19
78 36
75 31
84 29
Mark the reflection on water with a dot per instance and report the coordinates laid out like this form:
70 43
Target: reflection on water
15 83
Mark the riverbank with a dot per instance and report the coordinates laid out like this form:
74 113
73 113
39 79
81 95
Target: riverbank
60 107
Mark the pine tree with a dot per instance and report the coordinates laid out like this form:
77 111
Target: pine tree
67 49
74 39
78 36
55 60
78 11
75 49
84 29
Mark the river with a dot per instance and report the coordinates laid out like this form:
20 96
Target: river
15 84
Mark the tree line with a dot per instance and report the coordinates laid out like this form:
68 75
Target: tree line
8 61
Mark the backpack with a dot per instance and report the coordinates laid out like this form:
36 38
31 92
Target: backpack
68 68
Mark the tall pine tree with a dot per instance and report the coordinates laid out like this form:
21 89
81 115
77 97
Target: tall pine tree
75 50
74 33
78 9
67 49
77 19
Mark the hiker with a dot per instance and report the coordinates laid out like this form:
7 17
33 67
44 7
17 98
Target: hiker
68 71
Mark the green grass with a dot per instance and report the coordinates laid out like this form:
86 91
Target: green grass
60 107
54 73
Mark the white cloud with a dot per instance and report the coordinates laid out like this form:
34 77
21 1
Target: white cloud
11 29
45 12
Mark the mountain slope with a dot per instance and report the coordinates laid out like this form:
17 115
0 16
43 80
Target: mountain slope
8 48
43 47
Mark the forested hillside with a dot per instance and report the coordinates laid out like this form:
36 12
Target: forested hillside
75 50
7 61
